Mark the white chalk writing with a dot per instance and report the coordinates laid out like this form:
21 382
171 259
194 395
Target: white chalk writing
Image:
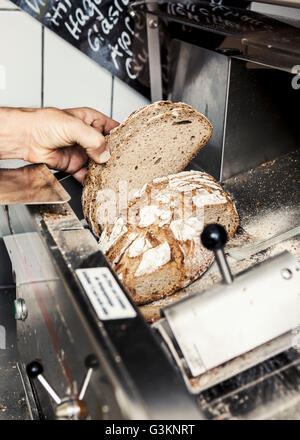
217 14
89 18
35 5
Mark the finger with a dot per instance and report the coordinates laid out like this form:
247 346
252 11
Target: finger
90 139
69 159
86 114
92 117
80 174
108 125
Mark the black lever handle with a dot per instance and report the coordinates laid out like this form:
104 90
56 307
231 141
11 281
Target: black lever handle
91 361
214 238
34 370
71 408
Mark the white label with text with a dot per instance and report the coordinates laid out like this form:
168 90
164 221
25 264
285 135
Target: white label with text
106 296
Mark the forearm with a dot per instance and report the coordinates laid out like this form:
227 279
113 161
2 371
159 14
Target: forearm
14 124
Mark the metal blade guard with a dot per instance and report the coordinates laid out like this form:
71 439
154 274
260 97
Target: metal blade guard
233 318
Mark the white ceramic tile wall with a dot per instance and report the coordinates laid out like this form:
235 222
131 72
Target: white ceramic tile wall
71 79
125 100
20 60
5 4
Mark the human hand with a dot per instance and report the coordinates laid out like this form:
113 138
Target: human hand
62 139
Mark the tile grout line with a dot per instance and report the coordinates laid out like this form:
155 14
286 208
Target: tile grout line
112 96
42 67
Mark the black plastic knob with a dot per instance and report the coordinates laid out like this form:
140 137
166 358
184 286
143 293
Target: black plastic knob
91 361
34 369
214 237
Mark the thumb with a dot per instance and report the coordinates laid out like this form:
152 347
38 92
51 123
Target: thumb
90 139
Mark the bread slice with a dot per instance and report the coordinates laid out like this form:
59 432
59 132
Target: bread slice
164 144
135 121
156 249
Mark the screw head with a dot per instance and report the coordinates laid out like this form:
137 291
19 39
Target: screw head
286 273
153 24
20 309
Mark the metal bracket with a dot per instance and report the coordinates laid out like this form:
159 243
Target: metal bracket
32 405
266 309
154 58
29 258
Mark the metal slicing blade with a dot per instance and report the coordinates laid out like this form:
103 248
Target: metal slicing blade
247 251
31 185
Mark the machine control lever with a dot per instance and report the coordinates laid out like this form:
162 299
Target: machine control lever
91 362
68 408
214 238
34 371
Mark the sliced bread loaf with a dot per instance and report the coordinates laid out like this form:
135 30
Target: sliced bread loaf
136 121
155 248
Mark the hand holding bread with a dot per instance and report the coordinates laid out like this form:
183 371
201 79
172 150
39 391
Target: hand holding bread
62 139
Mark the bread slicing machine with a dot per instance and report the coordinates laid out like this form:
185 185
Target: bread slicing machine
227 346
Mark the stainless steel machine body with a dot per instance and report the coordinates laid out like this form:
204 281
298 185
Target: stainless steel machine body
140 371
60 327
237 67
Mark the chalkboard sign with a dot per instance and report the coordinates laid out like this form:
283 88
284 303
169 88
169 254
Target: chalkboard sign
101 29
